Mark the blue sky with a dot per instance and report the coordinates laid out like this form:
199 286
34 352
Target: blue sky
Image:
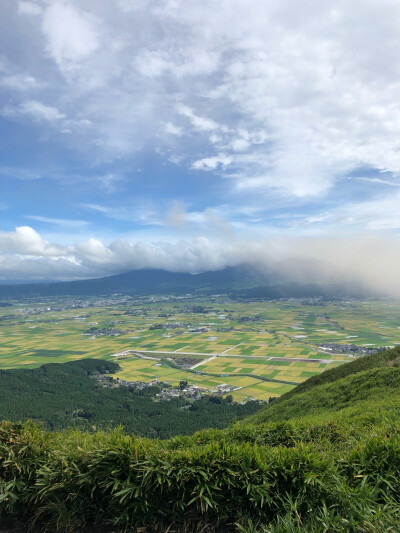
192 135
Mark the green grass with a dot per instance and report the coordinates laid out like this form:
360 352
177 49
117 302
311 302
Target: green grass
325 457
368 380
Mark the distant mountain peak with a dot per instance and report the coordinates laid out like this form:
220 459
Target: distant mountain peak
246 280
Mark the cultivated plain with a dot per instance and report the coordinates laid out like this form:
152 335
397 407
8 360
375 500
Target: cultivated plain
250 349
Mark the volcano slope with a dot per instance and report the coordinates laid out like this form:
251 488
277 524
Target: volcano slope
324 457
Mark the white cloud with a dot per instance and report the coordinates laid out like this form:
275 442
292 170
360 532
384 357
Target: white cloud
173 129
41 111
20 82
29 8
70 33
26 241
301 98
212 163
177 216
141 211
378 180
35 110
379 214
109 182
98 208
199 123
94 252
366 261
153 64
59 221
13 267
20 174
283 102
240 145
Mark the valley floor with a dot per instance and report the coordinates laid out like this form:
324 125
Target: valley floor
258 349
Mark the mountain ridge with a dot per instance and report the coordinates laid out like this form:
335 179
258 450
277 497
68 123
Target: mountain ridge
245 280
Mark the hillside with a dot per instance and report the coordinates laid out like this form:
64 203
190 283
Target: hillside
370 378
67 395
324 457
144 281
243 281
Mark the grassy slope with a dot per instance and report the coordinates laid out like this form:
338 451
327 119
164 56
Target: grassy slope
366 383
324 457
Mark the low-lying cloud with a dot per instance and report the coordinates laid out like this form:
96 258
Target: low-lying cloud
370 262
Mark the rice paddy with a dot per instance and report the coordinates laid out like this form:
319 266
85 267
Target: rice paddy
258 349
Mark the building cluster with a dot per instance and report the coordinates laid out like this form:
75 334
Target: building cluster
105 332
168 325
168 392
244 319
190 391
350 348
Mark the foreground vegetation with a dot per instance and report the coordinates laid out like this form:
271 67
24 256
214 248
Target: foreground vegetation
332 465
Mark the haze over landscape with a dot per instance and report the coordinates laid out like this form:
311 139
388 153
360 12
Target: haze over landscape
195 136
199 266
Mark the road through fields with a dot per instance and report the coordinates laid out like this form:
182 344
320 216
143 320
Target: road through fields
212 356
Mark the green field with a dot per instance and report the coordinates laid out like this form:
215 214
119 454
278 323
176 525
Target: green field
260 349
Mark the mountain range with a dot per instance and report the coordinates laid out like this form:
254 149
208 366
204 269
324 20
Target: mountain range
239 281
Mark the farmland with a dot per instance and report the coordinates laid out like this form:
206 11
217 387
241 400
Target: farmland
256 349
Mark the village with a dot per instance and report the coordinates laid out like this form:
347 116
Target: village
350 348
167 390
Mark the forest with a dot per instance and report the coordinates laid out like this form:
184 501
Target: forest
64 395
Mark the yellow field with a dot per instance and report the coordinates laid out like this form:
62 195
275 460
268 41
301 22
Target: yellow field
247 387
248 338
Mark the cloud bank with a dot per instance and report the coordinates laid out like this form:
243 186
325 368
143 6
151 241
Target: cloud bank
367 262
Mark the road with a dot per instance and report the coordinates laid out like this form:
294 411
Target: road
212 356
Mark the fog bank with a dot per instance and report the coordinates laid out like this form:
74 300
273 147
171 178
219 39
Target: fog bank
371 262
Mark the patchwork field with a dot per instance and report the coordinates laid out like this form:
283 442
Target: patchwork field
259 349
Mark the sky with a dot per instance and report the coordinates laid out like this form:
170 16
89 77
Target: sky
193 135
